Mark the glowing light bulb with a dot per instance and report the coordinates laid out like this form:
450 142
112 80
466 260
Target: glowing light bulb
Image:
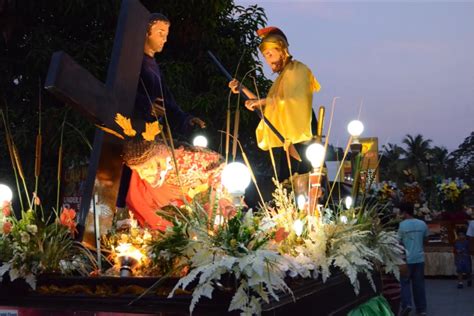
128 250
219 220
236 178
343 219
298 227
6 194
348 202
315 154
355 128
300 202
200 141
128 257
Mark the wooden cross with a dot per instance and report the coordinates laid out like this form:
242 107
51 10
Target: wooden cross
99 102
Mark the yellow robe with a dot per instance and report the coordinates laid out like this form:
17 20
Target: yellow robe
289 107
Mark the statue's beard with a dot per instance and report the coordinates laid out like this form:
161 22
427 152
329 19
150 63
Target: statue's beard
278 66
154 182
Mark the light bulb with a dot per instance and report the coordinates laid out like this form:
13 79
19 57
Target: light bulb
218 220
300 202
315 154
348 202
236 178
128 250
200 141
343 219
355 128
6 194
298 227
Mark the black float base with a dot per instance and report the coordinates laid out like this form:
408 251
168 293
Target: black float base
64 295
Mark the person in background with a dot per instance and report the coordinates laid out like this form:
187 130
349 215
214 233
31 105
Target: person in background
470 230
412 233
462 258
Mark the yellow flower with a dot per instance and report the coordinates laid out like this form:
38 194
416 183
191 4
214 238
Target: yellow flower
200 188
151 130
125 124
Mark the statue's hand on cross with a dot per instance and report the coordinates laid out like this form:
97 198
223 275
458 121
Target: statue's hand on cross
197 121
157 110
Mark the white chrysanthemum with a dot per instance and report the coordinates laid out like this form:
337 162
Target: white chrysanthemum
33 229
24 237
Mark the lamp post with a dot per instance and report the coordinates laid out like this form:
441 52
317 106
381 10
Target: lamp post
315 154
236 178
355 129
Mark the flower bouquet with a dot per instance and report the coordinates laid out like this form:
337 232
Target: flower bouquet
260 251
31 245
451 194
413 193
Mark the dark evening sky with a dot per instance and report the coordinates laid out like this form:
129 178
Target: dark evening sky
410 63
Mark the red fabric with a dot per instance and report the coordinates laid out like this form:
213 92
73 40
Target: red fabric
144 200
196 166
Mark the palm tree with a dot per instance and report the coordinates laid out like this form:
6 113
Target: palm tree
390 162
416 152
439 160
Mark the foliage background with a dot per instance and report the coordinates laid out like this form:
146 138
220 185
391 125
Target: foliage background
429 164
32 30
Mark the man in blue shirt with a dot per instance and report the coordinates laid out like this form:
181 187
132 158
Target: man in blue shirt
412 233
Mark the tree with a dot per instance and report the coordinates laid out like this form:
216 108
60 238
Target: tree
391 165
438 161
462 160
416 152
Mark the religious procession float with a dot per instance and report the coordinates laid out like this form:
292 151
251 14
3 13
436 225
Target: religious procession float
203 251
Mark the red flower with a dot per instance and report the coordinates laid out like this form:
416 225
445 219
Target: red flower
226 208
207 208
281 234
7 227
6 208
177 203
67 219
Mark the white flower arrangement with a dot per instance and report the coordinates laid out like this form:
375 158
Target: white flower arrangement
272 252
32 246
